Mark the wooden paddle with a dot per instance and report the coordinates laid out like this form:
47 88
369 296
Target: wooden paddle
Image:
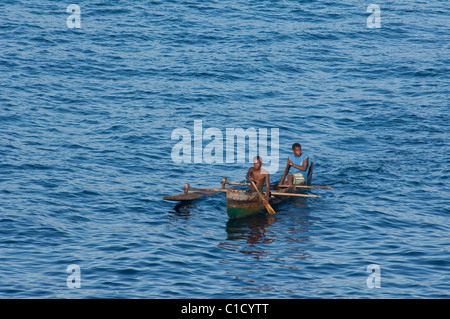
306 186
293 194
268 207
212 190
296 186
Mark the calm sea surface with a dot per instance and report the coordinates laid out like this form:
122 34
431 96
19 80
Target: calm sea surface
87 115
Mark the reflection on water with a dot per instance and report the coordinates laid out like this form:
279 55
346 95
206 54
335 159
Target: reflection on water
252 229
277 244
255 234
182 210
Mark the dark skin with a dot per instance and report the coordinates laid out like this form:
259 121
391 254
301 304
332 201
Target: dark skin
259 176
290 180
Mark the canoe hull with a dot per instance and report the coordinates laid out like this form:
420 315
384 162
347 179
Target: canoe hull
240 205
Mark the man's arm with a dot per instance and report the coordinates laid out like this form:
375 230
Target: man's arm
249 173
286 171
267 187
304 165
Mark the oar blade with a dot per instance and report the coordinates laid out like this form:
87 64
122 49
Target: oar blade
270 210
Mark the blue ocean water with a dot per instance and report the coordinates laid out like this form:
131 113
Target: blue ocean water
87 114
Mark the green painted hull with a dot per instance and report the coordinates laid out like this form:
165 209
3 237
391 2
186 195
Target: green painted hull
240 205
243 212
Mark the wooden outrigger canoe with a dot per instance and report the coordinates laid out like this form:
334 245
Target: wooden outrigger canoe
241 204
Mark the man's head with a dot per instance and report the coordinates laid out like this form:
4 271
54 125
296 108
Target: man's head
257 162
297 149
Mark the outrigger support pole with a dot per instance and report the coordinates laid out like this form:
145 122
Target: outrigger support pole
223 182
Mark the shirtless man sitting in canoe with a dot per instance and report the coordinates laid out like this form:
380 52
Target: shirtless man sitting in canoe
259 175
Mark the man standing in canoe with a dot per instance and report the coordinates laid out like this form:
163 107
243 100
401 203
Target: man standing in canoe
259 175
300 163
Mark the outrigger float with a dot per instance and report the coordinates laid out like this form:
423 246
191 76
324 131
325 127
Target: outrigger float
241 203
